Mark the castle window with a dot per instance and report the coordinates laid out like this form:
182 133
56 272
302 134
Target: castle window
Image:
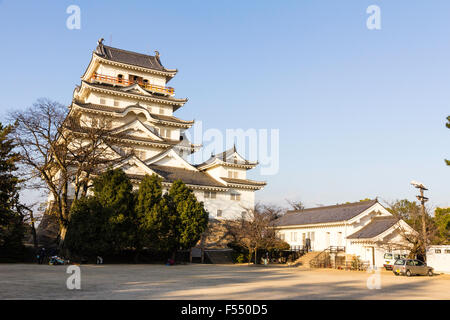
165 133
102 101
294 236
232 174
235 196
219 213
135 79
210 194
120 78
116 103
161 110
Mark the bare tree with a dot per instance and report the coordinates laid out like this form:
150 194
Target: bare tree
254 230
412 231
59 149
29 218
272 210
296 205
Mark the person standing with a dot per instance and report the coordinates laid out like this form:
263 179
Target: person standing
41 255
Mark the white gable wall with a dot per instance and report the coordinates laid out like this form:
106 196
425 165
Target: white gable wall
438 257
324 235
231 209
222 172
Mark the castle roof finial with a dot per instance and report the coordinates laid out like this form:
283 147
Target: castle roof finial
100 49
157 55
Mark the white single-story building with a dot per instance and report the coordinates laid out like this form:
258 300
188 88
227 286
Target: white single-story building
438 257
365 229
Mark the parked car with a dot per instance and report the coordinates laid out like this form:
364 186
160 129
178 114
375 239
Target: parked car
55 260
390 258
411 267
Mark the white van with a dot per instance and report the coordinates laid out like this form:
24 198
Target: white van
390 258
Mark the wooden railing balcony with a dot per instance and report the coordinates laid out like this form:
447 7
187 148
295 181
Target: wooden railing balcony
124 82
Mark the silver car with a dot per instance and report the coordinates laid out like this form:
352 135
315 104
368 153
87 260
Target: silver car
411 267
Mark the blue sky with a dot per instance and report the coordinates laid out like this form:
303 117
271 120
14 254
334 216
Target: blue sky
361 112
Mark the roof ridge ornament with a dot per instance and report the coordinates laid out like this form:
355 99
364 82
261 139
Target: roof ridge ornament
100 47
157 55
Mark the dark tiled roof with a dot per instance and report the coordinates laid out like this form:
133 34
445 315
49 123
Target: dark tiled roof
170 118
150 140
170 174
375 227
99 107
129 57
244 181
120 89
224 156
327 214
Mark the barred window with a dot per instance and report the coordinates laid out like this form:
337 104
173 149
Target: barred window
209 194
235 196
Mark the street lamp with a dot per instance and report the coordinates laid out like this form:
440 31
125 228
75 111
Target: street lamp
422 200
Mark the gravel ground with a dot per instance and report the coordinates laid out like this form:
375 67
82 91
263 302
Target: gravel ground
196 281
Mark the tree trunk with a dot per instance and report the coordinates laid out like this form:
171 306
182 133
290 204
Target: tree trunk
33 230
62 236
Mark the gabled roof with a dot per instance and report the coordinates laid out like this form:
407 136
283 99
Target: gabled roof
130 57
190 177
123 111
328 214
122 90
137 125
244 182
228 157
377 226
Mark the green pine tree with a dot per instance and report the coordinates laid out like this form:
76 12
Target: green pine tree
187 217
12 227
90 233
151 218
104 223
442 221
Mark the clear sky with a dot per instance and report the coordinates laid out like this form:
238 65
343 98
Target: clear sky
360 112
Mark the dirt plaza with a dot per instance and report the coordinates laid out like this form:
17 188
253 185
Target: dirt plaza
196 281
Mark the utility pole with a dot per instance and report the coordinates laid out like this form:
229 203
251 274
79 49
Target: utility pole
422 200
